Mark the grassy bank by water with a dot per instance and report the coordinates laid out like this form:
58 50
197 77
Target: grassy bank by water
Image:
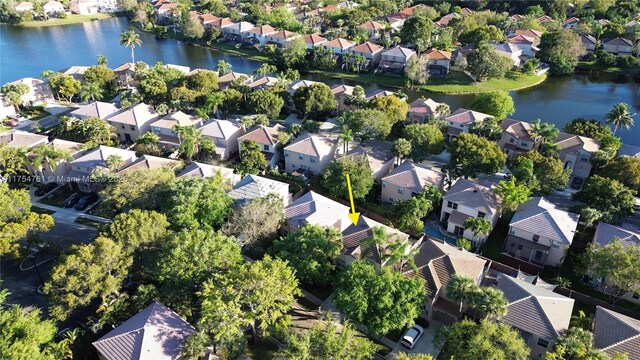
70 19
460 83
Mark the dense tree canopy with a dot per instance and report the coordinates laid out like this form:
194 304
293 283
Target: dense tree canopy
260 218
540 173
252 160
577 344
417 30
609 196
426 139
138 228
392 106
471 155
485 63
383 301
91 131
561 50
315 100
466 339
408 214
590 128
334 181
368 124
265 102
311 252
496 103
625 169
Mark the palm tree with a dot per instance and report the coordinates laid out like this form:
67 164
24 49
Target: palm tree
203 113
130 39
479 226
345 137
91 91
102 60
223 67
114 162
543 132
377 242
400 254
401 149
619 116
193 144
460 288
488 303
148 143
443 111
47 154
213 101
512 194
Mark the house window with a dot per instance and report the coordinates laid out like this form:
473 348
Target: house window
300 157
536 238
481 215
636 296
133 128
220 141
459 230
449 204
400 190
265 147
286 153
122 126
584 158
455 206
313 159
543 343
512 140
524 143
384 184
512 231
450 122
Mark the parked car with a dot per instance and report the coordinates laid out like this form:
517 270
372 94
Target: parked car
72 200
85 201
412 336
46 188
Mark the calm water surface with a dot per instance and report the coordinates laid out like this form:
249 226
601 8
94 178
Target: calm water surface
29 51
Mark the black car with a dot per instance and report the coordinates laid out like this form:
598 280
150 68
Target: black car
46 188
85 201
72 200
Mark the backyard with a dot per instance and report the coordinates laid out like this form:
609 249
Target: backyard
69 19
460 83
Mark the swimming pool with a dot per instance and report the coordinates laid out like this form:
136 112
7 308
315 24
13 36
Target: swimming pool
434 232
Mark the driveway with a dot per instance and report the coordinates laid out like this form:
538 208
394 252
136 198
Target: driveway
425 345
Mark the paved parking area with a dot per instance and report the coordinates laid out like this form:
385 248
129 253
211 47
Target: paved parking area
425 345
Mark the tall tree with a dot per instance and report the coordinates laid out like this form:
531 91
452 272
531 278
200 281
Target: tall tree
466 339
17 221
223 67
91 91
265 102
590 128
315 100
193 144
561 50
426 139
138 228
311 252
471 154
481 227
409 214
252 160
497 103
488 303
544 132
542 174
47 157
619 116
260 218
401 149
609 196
84 273
460 288
417 31
512 194
346 136
625 169
383 301
333 178
130 39
485 63
368 124
393 107
91 131
65 86
576 344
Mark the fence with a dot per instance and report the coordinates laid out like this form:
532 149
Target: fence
591 301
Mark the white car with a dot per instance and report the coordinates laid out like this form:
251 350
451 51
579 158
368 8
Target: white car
412 336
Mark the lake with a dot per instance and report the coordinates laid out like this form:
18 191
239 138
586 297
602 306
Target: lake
26 52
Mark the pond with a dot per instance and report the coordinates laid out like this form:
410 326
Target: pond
27 52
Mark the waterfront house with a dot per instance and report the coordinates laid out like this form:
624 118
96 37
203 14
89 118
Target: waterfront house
589 43
264 82
258 187
131 123
301 84
381 93
420 110
526 43
267 138
616 334
237 32
309 153
224 134
83 7
540 233
395 59
282 37
436 262
341 92
575 154
77 72
410 179
81 169
378 155
125 75
221 23
511 51
339 46
224 81
374 29
439 62
38 92
618 46
97 109
464 200
165 127
460 121
371 52
155 333
516 137
539 314
201 170
207 20
23 6
258 35
571 23
313 40
52 8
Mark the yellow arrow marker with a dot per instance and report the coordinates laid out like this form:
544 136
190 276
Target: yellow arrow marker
354 216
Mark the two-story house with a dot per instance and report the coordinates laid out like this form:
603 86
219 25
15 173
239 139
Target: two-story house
526 43
439 62
254 186
313 40
131 123
589 43
395 59
460 120
309 153
267 138
374 29
540 233
165 128
201 170
410 179
341 92
420 110
96 109
258 35
628 235
224 81
511 51
56 171
372 52
225 134
464 200
575 153
618 46
571 23
239 31
282 37
125 75
516 137
339 46
437 262
81 169
378 155
538 313
616 334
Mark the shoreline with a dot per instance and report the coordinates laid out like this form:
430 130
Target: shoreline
71 19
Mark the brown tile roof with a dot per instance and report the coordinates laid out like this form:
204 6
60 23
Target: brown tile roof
263 135
314 39
263 30
368 47
565 141
208 18
616 333
284 34
339 43
517 129
312 144
372 25
521 39
435 54
342 89
529 33
222 22
425 107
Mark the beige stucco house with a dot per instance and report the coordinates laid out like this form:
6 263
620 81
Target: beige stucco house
410 179
575 154
309 153
224 134
516 138
267 138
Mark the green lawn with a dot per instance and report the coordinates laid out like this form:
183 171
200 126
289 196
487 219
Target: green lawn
493 246
245 52
70 19
365 77
460 83
35 113
595 66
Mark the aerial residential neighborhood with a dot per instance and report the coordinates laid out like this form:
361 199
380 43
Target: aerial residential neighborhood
242 179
